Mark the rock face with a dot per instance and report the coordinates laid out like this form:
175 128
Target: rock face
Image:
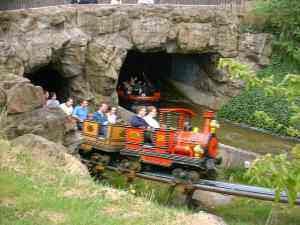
43 149
255 49
49 123
211 200
88 44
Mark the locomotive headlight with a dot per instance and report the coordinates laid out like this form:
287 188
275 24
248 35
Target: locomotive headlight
198 151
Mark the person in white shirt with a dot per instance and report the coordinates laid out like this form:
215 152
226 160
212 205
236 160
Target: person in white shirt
67 107
150 117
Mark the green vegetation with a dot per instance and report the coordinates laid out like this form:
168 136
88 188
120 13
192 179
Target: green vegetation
267 102
250 212
281 172
272 99
41 192
282 18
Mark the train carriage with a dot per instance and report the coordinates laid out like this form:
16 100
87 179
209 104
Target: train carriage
174 148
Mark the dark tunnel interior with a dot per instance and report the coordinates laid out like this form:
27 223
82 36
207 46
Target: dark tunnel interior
52 81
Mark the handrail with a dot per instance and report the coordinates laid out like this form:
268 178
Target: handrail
26 4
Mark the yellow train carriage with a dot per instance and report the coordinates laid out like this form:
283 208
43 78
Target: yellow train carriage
113 141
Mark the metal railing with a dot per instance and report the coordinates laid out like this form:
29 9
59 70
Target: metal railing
26 4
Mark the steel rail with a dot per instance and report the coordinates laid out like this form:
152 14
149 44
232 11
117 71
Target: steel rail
216 186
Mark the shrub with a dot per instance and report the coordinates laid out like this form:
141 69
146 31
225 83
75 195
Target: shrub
266 103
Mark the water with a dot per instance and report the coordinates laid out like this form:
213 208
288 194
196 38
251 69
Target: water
242 137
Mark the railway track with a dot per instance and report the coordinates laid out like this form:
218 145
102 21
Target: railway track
215 186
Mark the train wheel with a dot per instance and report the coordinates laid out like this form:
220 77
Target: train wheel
131 165
211 169
99 158
193 176
136 166
179 173
125 164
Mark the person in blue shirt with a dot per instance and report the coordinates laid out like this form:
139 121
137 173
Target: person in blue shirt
101 118
137 120
80 113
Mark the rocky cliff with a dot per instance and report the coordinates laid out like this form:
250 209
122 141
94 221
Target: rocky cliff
88 44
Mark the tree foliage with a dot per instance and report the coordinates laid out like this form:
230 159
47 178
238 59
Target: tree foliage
266 103
280 172
283 20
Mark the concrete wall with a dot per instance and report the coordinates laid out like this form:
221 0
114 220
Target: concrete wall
235 157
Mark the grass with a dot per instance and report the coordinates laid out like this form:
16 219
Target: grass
241 211
34 192
252 212
37 192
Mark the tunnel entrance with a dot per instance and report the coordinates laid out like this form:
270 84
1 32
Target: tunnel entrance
52 81
161 69
153 66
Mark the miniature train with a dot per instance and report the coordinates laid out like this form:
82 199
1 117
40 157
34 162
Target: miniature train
175 149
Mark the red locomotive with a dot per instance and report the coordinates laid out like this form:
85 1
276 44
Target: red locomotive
188 155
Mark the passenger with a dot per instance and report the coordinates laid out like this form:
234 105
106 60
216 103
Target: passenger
67 107
46 97
101 118
80 113
138 120
150 118
112 116
137 88
52 102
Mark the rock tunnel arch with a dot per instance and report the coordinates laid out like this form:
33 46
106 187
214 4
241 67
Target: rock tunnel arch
198 71
52 80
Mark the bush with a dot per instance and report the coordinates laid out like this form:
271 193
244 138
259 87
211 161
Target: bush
267 103
282 19
280 172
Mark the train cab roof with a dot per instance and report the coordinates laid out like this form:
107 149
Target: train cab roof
175 117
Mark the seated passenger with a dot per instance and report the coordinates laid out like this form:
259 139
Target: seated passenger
67 107
80 113
150 118
101 118
112 116
52 102
138 120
